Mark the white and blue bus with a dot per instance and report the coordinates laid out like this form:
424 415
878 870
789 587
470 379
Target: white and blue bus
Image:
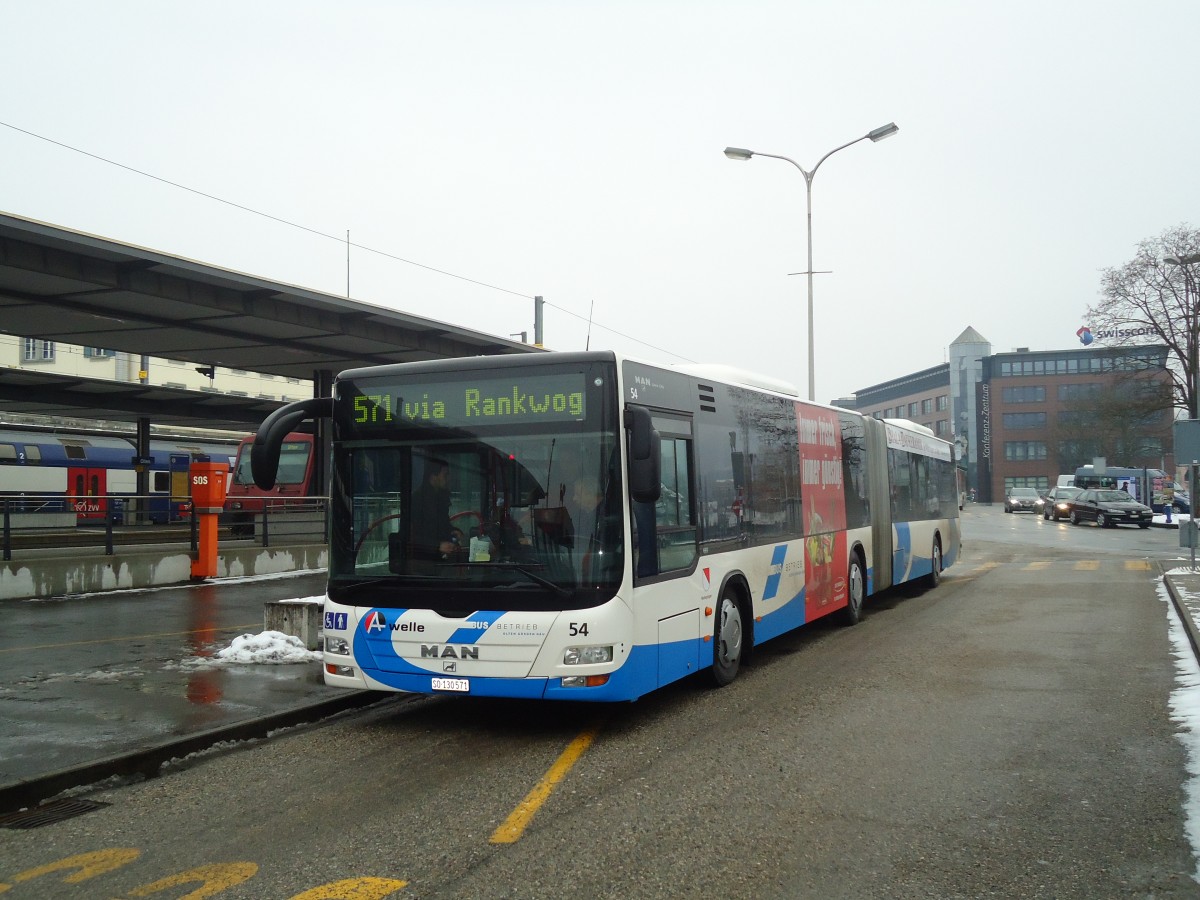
602 527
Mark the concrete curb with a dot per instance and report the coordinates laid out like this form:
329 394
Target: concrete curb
1185 616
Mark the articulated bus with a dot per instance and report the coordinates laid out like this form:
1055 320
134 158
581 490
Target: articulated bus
602 527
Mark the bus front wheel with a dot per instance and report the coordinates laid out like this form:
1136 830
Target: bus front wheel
727 640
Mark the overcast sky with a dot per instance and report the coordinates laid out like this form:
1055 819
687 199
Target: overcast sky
574 150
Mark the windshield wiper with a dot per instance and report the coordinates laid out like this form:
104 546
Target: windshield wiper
532 576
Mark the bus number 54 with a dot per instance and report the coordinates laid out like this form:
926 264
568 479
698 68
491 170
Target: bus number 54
578 628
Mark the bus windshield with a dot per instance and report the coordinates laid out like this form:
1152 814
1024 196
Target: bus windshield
471 510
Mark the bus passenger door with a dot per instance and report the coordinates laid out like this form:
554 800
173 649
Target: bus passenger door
86 487
665 548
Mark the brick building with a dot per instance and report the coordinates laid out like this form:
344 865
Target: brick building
1046 413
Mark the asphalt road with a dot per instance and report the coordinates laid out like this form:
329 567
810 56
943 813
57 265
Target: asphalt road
1004 735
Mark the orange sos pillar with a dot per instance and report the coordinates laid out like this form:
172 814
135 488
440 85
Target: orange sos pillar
207 481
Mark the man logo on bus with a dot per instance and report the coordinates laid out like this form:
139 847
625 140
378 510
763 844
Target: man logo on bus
1085 335
375 621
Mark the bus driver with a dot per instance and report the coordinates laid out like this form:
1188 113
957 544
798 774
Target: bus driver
432 536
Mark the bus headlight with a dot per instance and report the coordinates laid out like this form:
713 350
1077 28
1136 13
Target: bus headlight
338 645
582 656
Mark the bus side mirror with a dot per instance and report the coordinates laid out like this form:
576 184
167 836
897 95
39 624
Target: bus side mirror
645 460
268 440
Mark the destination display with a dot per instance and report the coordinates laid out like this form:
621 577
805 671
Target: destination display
509 399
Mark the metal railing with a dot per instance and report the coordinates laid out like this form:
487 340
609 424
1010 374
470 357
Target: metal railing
294 520
39 522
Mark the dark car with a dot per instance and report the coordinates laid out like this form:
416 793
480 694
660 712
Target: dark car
1109 508
1021 499
1057 503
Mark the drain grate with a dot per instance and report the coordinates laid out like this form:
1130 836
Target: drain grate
49 813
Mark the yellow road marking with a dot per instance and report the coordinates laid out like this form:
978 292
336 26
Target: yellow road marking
984 567
1138 565
212 879
81 867
1087 565
514 826
1038 565
354 889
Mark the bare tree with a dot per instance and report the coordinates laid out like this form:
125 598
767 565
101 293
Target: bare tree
1151 297
1129 422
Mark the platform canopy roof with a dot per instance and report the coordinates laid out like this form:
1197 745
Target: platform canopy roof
76 288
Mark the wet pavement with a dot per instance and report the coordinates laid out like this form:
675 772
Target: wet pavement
94 677
90 683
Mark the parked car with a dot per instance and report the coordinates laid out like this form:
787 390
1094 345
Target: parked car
1021 499
1109 508
1057 503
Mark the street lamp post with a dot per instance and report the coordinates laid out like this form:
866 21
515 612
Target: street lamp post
1189 290
877 134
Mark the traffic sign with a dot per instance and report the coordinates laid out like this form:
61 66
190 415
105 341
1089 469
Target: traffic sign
1187 441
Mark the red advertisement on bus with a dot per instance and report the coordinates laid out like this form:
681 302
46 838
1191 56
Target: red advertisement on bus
823 506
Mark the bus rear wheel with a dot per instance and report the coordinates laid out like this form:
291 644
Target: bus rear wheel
934 578
727 640
856 591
